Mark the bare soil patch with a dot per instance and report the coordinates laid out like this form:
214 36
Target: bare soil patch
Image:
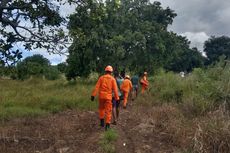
76 131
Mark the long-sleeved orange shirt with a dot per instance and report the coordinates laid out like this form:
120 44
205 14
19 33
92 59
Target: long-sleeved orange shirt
126 85
105 86
144 81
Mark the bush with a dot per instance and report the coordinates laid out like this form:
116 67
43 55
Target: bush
52 73
199 92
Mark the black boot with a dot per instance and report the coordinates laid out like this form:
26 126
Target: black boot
107 126
102 123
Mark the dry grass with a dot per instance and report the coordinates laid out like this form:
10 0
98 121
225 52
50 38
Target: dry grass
209 133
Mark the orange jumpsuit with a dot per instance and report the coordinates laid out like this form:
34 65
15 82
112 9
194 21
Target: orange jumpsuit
144 84
126 86
106 84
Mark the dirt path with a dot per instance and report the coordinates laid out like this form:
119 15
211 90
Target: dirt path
78 132
69 131
137 133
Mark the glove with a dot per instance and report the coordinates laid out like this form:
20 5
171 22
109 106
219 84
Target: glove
92 98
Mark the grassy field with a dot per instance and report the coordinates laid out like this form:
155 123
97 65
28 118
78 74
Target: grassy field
191 113
36 97
196 94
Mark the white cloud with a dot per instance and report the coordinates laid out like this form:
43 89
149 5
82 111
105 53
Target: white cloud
210 16
197 40
199 19
66 10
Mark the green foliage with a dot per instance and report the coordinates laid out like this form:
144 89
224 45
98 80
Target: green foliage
215 47
185 61
33 65
107 140
7 71
35 97
36 65
199 92
52 73
29 21
62 67
129 34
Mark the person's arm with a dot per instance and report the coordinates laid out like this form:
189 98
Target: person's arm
143 82
95 91
115 89
122 86
131 85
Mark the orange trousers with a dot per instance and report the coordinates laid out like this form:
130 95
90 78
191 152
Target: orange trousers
105 110
126 94
143 88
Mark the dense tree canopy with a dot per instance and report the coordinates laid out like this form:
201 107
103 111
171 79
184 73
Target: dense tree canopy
62 67
33 65
34 23
127 34
217 46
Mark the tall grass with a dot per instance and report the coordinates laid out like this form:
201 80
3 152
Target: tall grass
191 113
199 92
35 97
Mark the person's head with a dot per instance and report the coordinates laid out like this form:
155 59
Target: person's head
108 69
145 73
127 77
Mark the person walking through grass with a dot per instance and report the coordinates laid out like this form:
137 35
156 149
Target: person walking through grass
105 86
116 104
126 87
135 82
144 83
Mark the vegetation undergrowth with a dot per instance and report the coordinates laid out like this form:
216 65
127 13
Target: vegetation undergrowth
107 141
199 92
36 96
192 112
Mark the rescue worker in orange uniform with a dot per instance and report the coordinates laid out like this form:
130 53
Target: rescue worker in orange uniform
105 86
144 83
126 87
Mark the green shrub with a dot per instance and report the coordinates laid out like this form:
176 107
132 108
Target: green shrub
201 91
52 73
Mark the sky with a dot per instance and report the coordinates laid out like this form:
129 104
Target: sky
196 19
65 10
200 19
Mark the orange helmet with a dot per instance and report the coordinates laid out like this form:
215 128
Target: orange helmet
109 68
145 73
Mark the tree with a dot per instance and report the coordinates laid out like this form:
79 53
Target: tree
33 65
186 61
62 67
215 47
52 73
179 57
34 23
125 34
